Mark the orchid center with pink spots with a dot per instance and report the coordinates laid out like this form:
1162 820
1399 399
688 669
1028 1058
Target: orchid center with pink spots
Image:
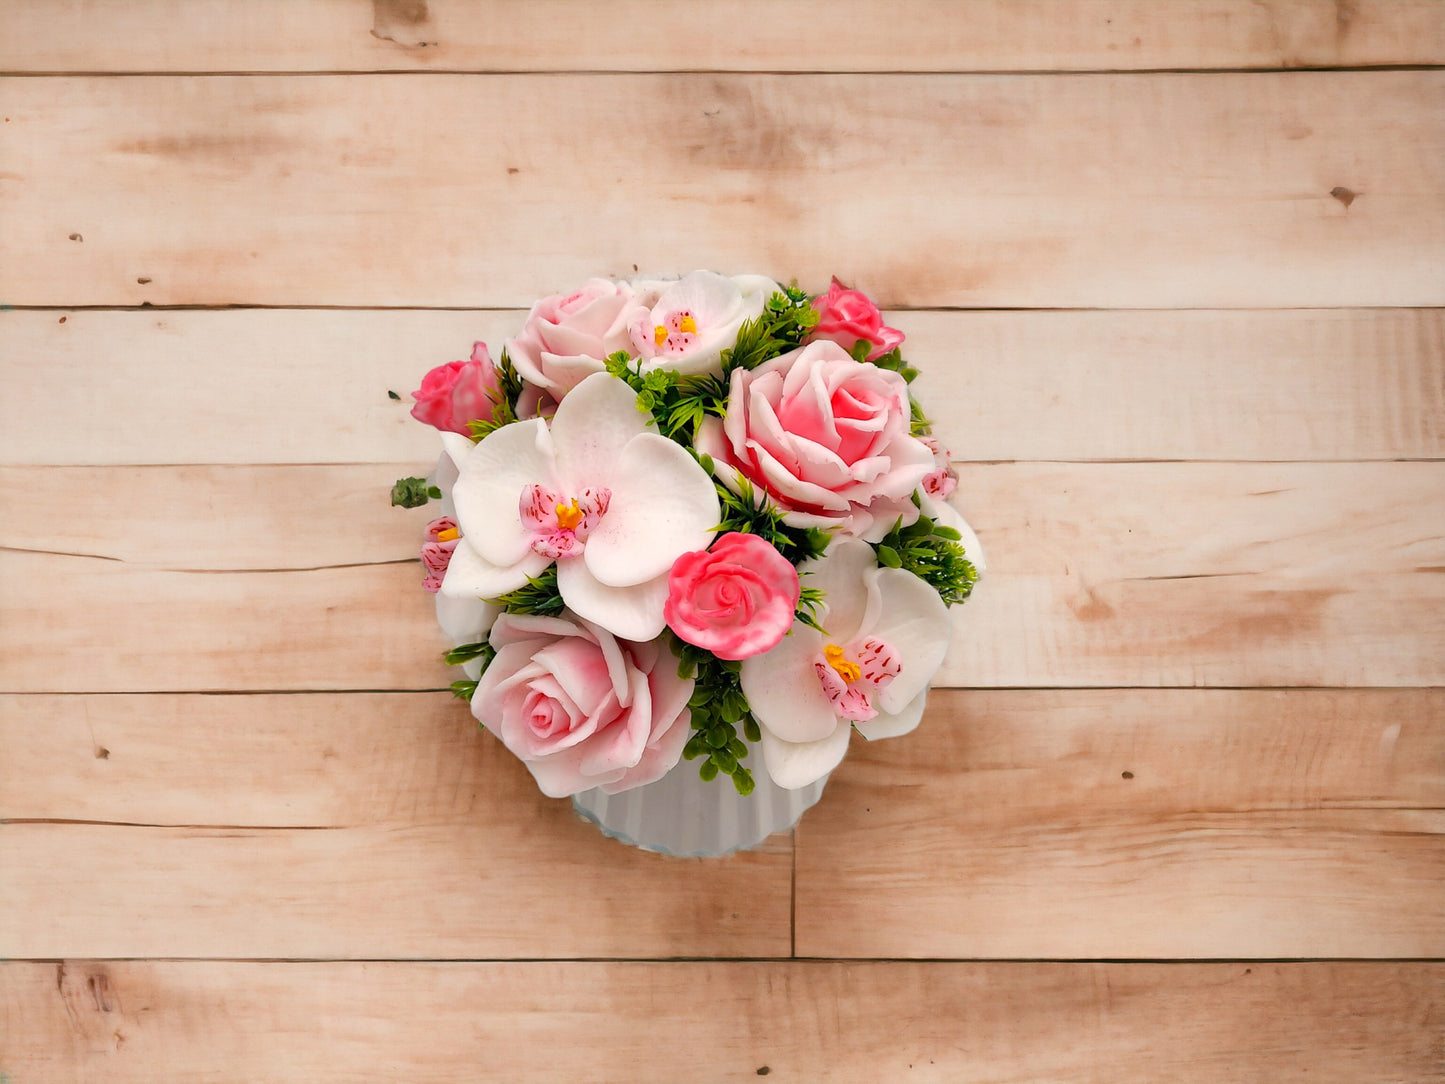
852 683
559 526
677 334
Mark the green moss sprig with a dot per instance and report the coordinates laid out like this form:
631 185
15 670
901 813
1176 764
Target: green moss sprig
931 552
504 402
719 710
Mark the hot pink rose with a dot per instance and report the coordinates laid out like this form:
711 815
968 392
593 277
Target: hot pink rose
825 437
567 338
436 551
736 599
458 392
847 317
580 707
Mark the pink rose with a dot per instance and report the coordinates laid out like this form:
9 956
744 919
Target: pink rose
436 551
825 437
943 479
567 337
847 317
458 392
736 599
580 707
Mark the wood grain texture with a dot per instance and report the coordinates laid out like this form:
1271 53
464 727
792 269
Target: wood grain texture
242 386
443 848
1102 1023
1181 823
1251 823
742 35
1100 574
1180 190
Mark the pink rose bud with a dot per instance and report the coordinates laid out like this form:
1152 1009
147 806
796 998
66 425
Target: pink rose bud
848 317
458 392
736 599
436 552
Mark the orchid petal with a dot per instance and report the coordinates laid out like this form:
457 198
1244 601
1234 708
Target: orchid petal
631 613
793 765
783 689
914 622
593 423
472 576
493 476
840 575
663 505
465 619
884 725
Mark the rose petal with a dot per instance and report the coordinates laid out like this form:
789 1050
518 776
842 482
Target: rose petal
793 765
663 505
631 613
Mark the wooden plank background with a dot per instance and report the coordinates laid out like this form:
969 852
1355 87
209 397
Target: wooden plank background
1173 274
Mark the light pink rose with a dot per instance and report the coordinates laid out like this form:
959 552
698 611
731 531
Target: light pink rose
736 599
825 437
436 551
943 479
580 707
847 317
458 392
567 337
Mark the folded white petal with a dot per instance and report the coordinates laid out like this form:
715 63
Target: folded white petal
913 621
796 764
593 423
884 725
472 576
457 448
944 513
489 489
466 619
839 574
630 613
663 505
783 689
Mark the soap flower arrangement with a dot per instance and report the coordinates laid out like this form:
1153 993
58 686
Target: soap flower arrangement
683 519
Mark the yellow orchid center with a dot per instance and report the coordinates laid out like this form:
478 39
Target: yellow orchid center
687 324
659 334
450 534
848 671
568 515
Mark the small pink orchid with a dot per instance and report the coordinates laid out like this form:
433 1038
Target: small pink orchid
598 491
943 479
687 324
436 551
887 633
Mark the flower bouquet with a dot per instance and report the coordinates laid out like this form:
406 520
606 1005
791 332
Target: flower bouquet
689 520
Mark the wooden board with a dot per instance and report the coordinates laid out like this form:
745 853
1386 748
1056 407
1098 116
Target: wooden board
1112 824
1258 574
240 386
152 1023
743 35
447 849
1139 191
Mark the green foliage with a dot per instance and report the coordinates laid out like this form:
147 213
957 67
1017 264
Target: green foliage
745 513
467 652
464 689
539 596
679 403
504 402
719 709
809 600
933 554
413 493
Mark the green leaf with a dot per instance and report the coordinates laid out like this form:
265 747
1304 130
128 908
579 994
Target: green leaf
888 556
743 781
409 493
467 652
463 690
708 771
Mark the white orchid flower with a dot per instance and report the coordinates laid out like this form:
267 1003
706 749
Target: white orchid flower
598 491
887 633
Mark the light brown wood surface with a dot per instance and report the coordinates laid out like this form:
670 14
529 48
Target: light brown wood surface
1175 810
